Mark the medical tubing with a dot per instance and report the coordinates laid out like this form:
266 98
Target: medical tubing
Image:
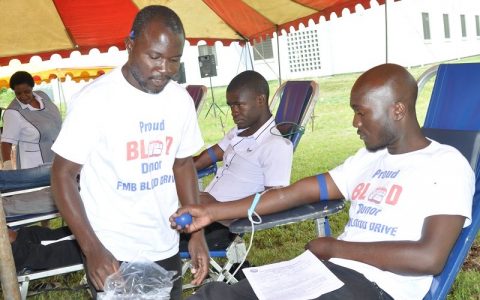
251 209
298 129
251 212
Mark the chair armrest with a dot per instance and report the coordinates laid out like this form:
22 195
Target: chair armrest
212 169
316 210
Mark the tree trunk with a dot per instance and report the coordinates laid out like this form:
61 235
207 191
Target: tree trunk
8 275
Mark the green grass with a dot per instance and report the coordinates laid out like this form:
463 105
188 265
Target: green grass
328 140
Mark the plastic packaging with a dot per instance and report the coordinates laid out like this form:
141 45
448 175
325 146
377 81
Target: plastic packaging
141 279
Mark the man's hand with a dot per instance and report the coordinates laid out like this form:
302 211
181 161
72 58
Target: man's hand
100 264
197 247
200 218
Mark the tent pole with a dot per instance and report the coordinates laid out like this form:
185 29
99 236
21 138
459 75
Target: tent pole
61 95
8 275
247 43
240 60
278 55
386 32
246 57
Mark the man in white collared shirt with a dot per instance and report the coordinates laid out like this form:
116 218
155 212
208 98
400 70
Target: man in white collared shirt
255 155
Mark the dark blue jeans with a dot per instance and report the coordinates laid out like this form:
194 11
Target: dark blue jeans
14 180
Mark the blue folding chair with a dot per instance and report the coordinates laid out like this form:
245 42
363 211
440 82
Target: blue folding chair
455 105
468 143
296 101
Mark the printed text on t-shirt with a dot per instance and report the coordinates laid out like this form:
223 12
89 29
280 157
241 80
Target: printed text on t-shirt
390 196
148 152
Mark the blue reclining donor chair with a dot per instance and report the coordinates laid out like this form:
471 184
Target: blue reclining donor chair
296 101
455 105
293 104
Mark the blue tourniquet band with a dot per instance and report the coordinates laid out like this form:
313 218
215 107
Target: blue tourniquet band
212 155
322 184
256 199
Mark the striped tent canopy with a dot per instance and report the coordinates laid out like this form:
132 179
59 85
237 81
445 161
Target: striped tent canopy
47 27
75 74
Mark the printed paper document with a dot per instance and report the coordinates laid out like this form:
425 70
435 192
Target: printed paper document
304 277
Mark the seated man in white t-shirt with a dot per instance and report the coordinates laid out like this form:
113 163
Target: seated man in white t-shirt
255 156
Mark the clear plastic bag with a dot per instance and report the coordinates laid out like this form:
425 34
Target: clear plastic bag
141 279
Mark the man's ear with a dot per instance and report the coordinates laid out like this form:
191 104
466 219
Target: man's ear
262 99
399 110
129 44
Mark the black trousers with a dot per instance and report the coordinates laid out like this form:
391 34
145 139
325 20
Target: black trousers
170 264
217 236
30 255
356 286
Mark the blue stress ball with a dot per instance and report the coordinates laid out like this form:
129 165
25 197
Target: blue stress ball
184 220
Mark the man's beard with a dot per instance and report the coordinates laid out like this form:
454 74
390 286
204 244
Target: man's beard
143 83
388 136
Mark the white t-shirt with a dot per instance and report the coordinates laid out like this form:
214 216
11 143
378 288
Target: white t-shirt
252 163
127 142
22 132
391 195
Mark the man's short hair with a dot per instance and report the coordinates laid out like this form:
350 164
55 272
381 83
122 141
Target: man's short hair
158 13
250 80
21 77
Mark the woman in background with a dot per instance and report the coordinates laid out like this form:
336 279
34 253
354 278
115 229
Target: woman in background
31 122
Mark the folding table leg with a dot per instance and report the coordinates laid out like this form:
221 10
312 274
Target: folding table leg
322 227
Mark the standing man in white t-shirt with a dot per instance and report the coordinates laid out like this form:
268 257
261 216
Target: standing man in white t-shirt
130 135
402 221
